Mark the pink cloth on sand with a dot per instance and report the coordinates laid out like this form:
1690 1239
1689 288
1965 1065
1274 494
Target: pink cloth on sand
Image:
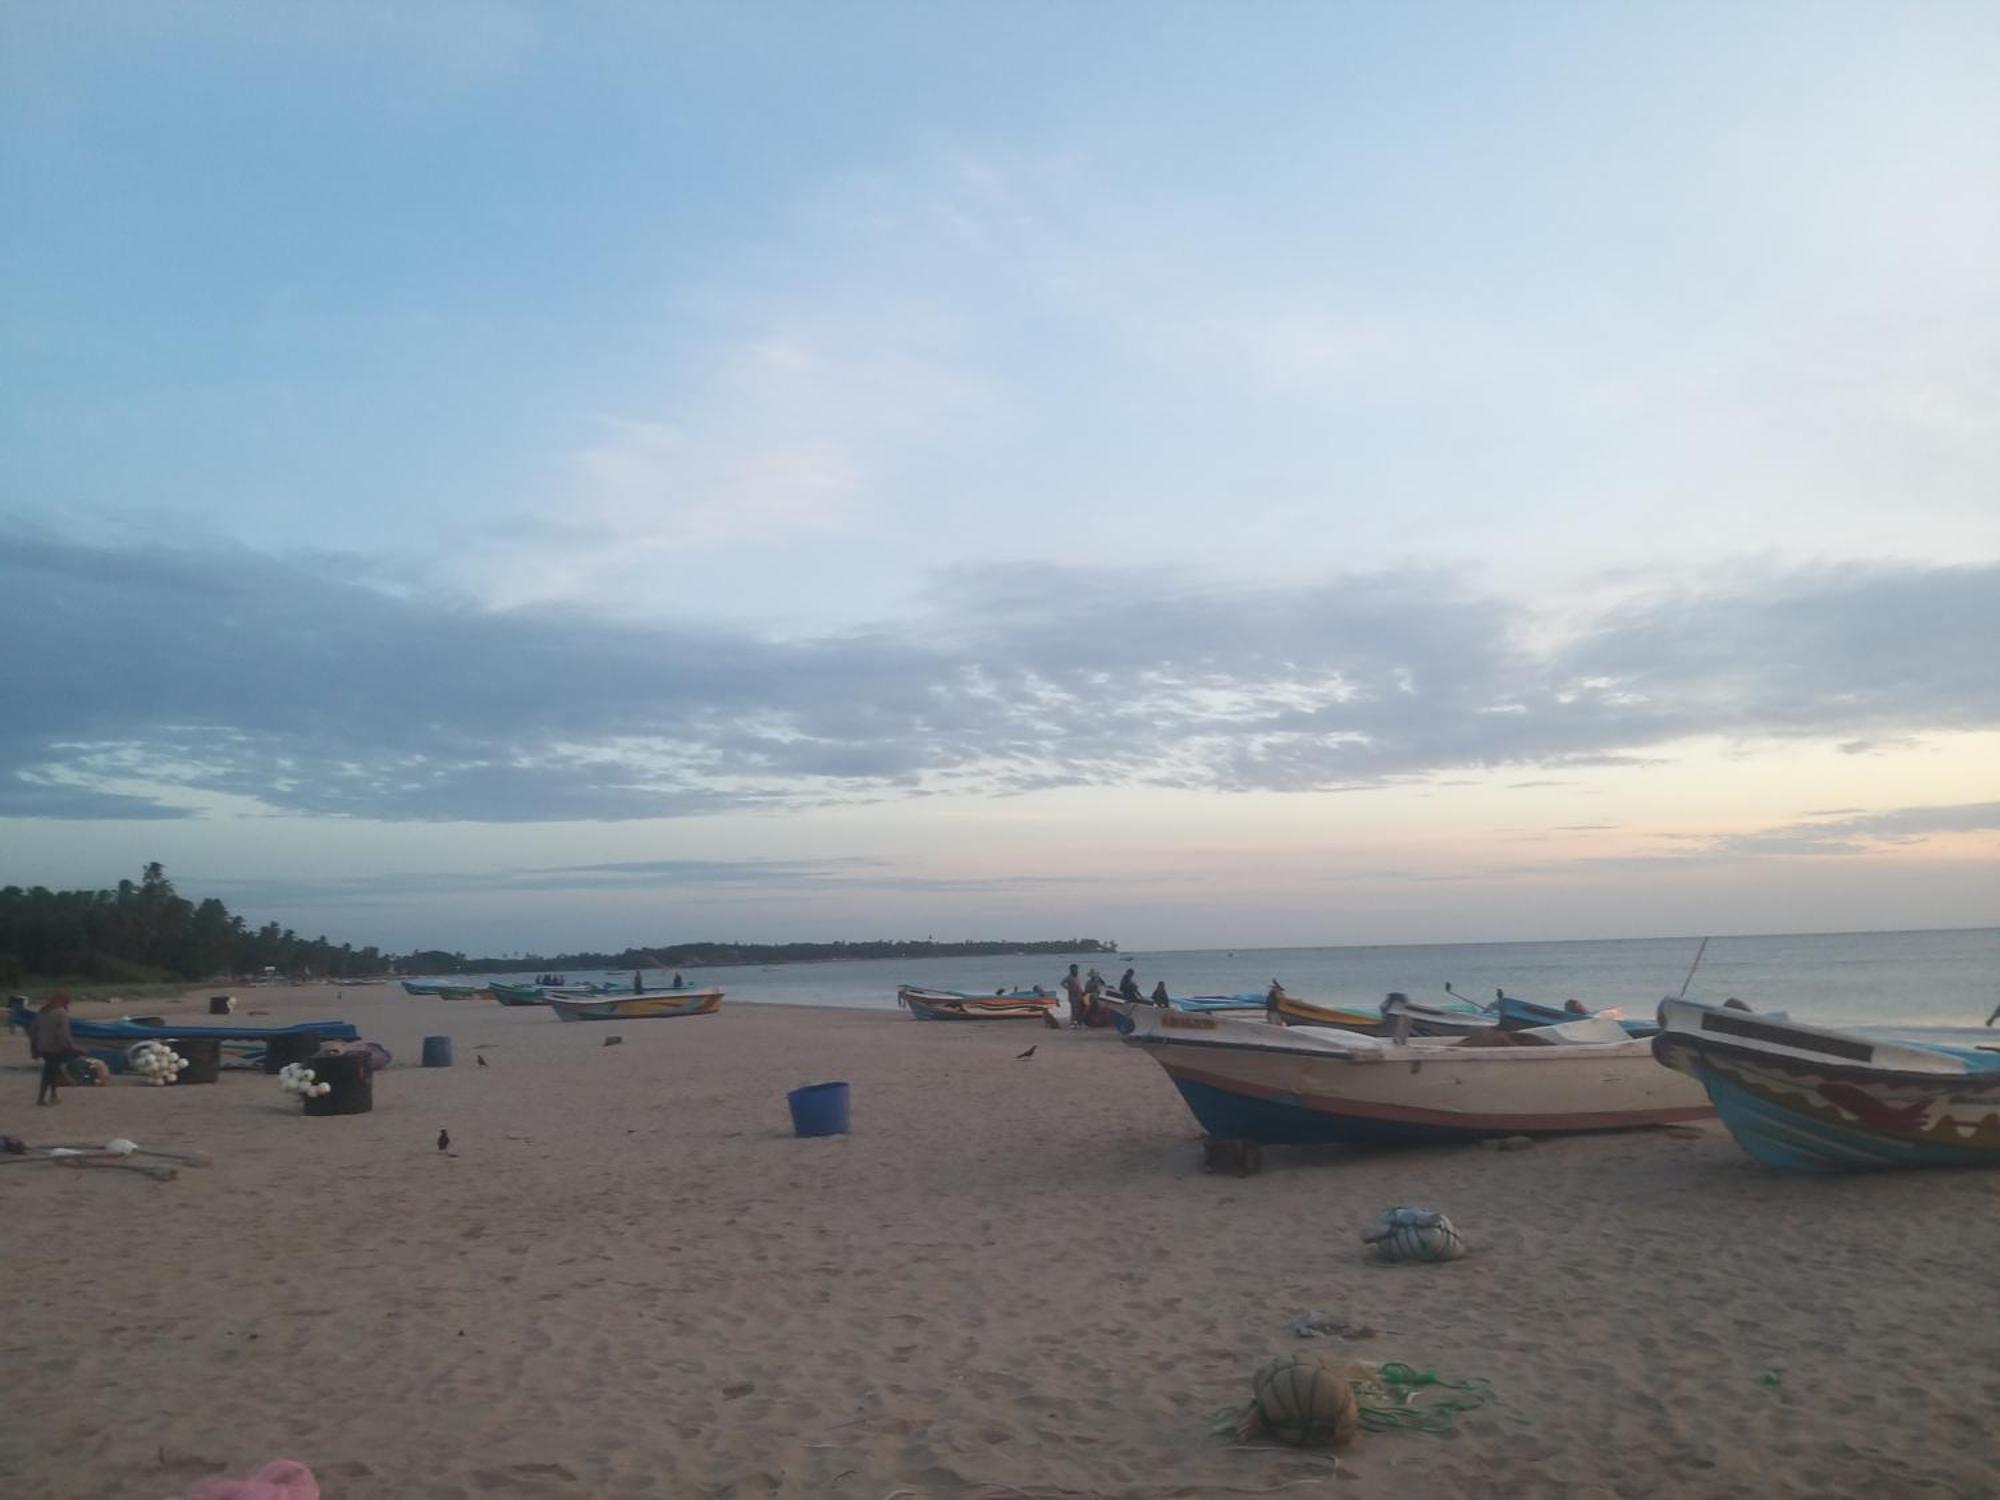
280 1479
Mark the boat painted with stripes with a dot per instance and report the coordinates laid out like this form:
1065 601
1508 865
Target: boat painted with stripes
1245 1080
957 1005
1286 1009
1819 1099
658 1005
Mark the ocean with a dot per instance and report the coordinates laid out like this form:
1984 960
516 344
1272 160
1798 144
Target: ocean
1901 978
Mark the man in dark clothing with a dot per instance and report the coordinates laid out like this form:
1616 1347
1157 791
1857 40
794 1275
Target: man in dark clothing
50 1039
1160 993
1128 988
1072 988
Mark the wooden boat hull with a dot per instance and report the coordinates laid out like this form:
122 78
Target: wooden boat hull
1815 1099
1293 1086
951 1005
638 1007
410 988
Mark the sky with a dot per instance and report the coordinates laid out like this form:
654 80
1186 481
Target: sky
515 477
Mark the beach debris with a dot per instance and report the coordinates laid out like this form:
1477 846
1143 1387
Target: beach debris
444 1140
1024 1056
742 1388
1770 1377
612 1041
297 1078
1303 1400
1322 1325
1407 1235
480 1060
156 1062
1507 1143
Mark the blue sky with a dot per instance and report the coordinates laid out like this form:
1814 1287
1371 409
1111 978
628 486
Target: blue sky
1233 474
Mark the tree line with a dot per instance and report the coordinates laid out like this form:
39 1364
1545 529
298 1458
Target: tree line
146 931
715 955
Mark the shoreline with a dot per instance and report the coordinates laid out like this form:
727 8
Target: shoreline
627 1278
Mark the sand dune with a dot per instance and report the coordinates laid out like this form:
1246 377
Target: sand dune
628 1279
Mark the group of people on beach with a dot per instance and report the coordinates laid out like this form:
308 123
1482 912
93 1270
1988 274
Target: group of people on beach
1086 994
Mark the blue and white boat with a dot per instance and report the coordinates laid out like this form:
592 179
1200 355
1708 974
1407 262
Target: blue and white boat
1516 1014
1817 1099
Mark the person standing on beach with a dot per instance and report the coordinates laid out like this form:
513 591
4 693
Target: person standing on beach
1072 988
50 1039
1093 991
637 987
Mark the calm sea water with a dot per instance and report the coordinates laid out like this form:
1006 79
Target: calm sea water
1907 978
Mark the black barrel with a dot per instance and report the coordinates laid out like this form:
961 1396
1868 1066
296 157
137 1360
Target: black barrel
221 1005
351 1082
204 1058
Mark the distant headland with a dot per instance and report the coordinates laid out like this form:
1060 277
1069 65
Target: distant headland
718 955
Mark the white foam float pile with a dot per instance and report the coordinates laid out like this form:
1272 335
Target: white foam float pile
156 1062
297 1078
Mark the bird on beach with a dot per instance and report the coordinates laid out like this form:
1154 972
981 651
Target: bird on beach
1029 1053
480 1060
444 1140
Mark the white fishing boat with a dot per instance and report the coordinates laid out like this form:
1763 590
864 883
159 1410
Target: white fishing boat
652 1005
1299 1084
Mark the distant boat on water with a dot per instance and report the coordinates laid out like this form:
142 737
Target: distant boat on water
1817 1099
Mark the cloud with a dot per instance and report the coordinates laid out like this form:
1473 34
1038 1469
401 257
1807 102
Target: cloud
156 676
1860 832
689 876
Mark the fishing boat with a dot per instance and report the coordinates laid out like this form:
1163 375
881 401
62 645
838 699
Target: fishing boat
108 1039
463 992
1288 1010
1304 1084
1818 1099
957 1005
648 1007
1210 1005
413 987
1457 1016
518 994
1516 1014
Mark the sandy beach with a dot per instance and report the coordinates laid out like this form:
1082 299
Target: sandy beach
627 1278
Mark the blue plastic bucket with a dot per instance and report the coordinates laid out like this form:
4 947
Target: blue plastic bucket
437 1051
819 1109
